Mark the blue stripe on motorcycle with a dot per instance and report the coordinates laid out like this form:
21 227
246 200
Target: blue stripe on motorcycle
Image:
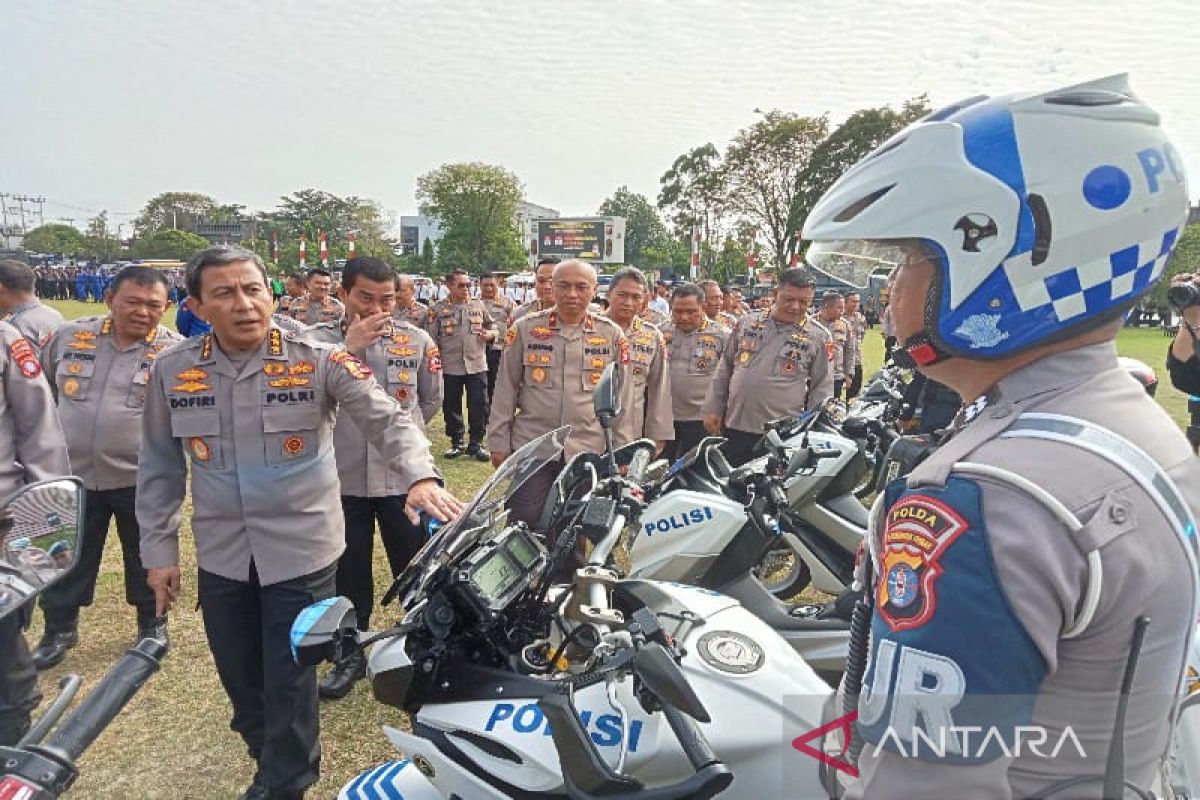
352 791
385 782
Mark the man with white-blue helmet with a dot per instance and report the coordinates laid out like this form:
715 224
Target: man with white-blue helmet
1048 544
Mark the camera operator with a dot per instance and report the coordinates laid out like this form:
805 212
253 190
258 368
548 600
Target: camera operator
1182 359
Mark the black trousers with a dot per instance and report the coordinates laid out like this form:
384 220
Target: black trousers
740 447
274 699
18 680
837 387
62 601
855 383
401 541
493 357
688 433
477 405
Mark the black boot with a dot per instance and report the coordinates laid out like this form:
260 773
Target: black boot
341 679
155 628
456 450
478 452
53 647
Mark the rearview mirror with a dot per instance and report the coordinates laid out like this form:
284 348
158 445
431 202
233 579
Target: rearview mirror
40 526
607 399
320 630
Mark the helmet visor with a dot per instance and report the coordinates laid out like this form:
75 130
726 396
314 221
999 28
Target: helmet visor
854 261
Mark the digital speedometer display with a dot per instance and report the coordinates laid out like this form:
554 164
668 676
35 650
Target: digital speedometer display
524 552
495 576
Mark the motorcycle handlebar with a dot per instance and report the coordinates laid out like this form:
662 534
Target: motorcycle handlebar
638 464
101 706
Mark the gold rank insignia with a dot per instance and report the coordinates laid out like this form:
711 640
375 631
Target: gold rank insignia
293 445
191 387
85 335
531 358
597 363
541 332
81 345
404 376
70 387
74 368
597 341
275 347
288 382
200 449
510 337
274 368
401 338
538 375
402 351
744 357
302 368
191 375
708 339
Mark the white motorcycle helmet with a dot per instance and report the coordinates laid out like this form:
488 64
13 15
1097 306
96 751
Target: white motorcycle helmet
1044 213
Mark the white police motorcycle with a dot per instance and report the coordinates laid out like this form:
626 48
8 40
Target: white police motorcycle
602 688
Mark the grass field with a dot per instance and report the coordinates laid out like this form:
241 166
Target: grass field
173 741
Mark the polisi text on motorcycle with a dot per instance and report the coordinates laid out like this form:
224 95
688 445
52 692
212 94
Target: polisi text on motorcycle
605 729
676 521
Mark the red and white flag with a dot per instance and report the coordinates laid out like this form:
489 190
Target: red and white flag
303 250
795 250
350 247
275 247
694 270
752 256
324 248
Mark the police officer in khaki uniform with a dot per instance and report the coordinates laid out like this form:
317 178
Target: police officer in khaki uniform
695 345
21 309
714 304
404 360
317 305
408 308
543 287
859 325
462 328
500 309
651 315
831 316
32 448
1017 572
776 363
548 375
293 287
648 413
98 368
253 409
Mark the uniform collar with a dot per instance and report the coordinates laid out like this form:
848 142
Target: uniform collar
1058 371
273 349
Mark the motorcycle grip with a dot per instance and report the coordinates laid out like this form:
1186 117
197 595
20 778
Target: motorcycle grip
695 746
103 703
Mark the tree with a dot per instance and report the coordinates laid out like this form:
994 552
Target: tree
179 245
173 210
101 243
643 226
692 191
477 206
427 253
762 172
853 140
57 239
312 212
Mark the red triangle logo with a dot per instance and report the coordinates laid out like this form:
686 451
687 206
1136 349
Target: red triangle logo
842 723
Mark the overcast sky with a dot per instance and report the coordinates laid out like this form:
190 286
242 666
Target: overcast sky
104 104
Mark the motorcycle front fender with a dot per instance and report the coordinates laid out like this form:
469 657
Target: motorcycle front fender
393 779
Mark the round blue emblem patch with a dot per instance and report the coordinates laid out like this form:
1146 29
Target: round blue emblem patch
1107 187
902 585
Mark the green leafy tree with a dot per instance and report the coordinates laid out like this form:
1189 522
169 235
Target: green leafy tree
643 226
477 206
56 238
693 192
427 253
169 243
101 243
862 132
762 171
174 210
312 211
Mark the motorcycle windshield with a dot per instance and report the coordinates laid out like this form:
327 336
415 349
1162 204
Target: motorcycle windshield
450 541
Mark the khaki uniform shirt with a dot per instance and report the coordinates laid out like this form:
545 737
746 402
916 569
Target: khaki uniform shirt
100 389
770 370
858 324
499 310
532 307
655 318
310 312
457 329
1010 579
694 358
285 304
405 362
32 447
649 412
416 314
260 440
843 347
547 378
35 321
727 319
